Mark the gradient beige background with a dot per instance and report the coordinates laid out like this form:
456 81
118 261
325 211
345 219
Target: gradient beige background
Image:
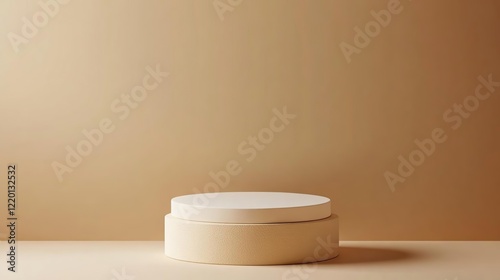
353 119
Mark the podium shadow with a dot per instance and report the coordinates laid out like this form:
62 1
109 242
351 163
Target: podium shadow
360 255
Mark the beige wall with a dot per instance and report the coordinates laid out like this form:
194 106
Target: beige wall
352 121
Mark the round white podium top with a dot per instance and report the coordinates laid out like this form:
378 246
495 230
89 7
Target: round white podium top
251 207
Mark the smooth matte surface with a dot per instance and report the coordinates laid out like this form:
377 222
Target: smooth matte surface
353 120
357 261
251 207
252 244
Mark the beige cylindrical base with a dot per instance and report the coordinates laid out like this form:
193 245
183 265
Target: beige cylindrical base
251 244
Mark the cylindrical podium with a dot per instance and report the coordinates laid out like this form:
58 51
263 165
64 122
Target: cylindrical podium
251 228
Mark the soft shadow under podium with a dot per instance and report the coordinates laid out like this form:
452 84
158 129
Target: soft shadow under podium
358 255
